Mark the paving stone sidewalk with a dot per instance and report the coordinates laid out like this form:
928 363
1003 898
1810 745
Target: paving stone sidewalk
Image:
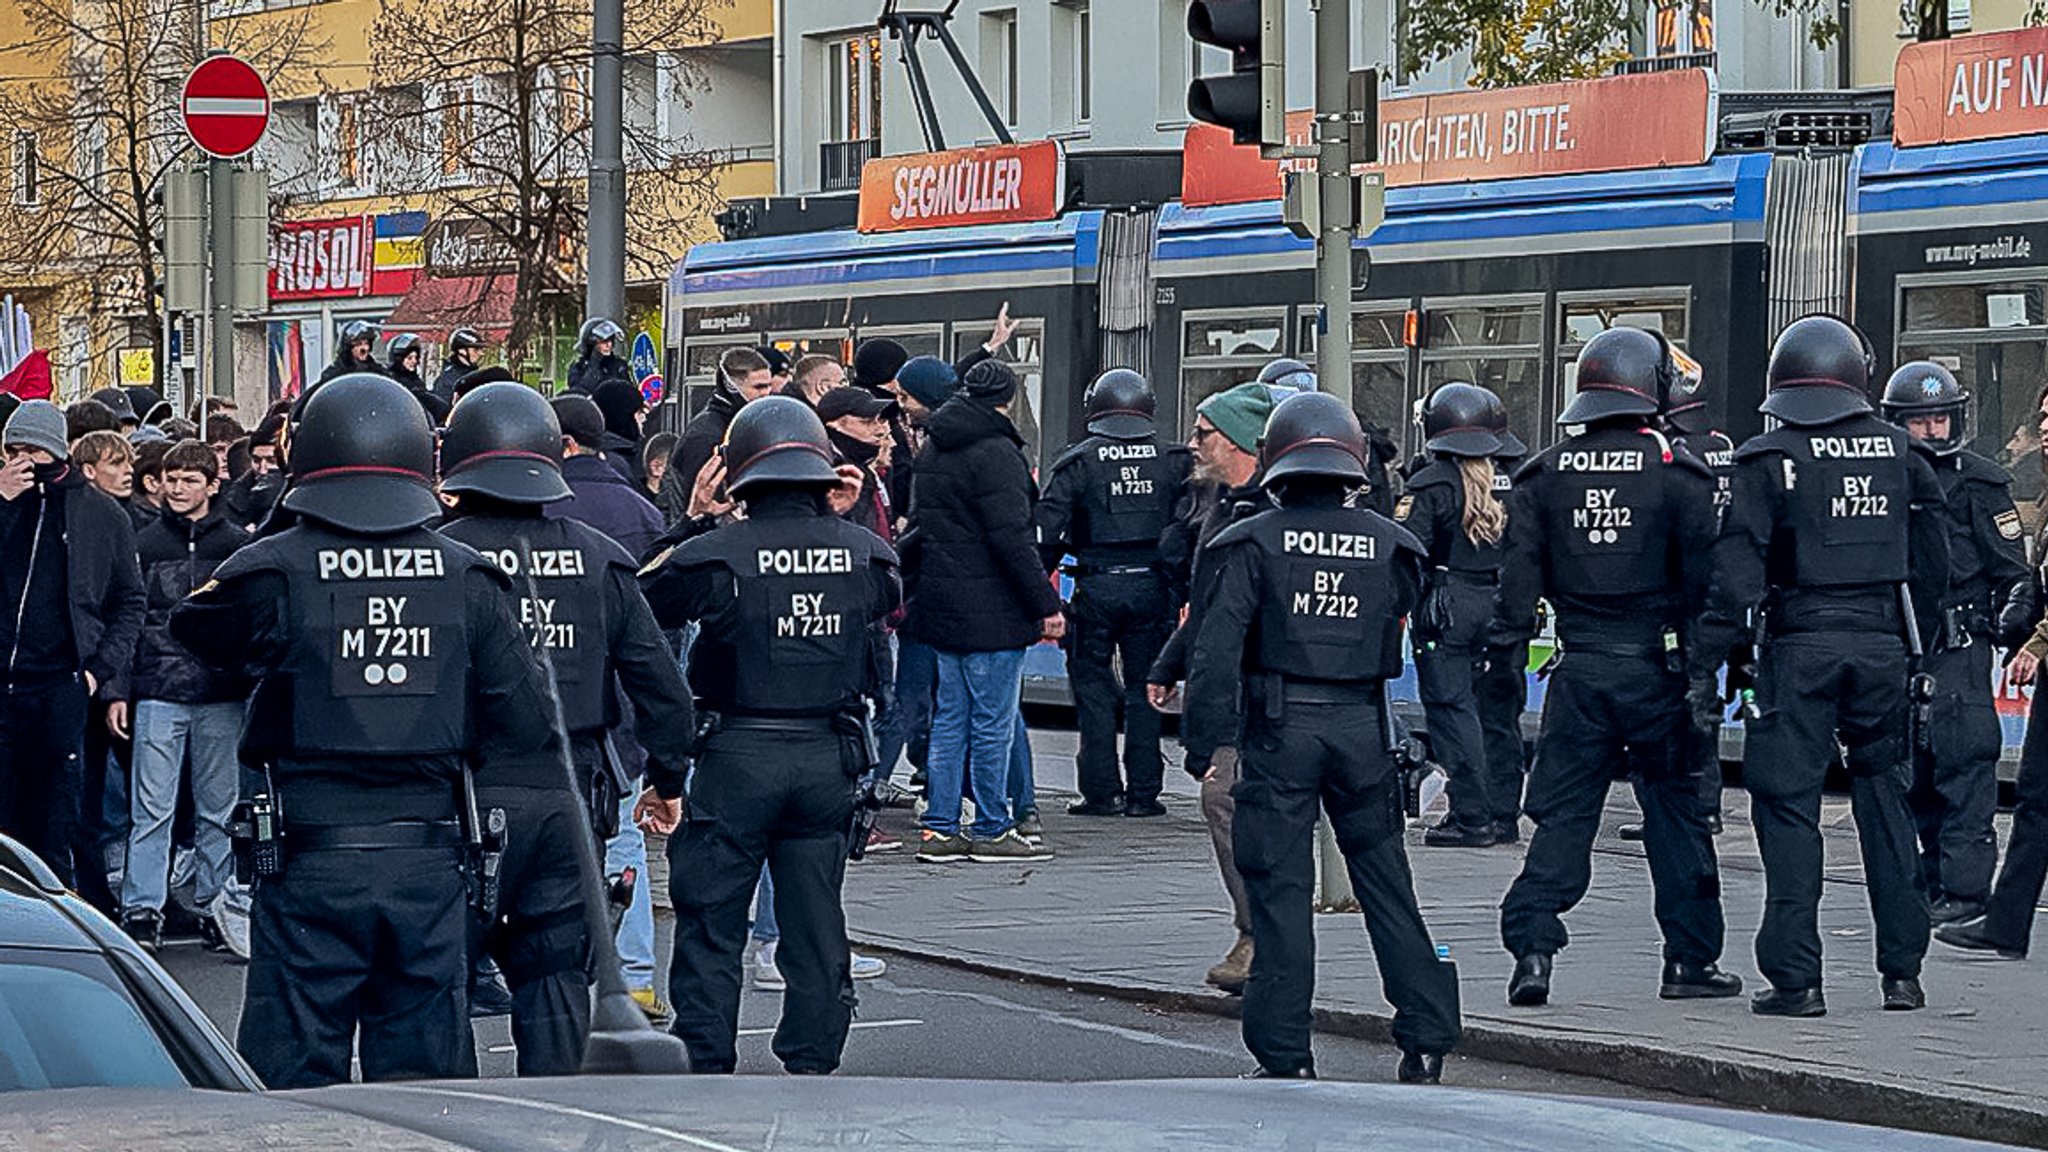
1134 908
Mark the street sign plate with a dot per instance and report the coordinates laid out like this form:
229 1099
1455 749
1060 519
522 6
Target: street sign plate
226 106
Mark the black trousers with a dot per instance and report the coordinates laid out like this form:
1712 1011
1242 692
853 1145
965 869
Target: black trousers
786 798
540 939
1703 749
1447 679
1333 754
2009 914
359 948
97 830
1114 613
1955 781
1610 714
1813 690
1502 689
42 747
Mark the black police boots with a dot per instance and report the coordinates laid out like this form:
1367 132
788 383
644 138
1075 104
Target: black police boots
1903 994
1144 808
1114 806
1684 981
1452 834
1789 1002
1530 985
1305 1072
1975 935
1420 1068
1949 909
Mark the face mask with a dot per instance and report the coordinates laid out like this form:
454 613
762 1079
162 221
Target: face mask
858 451
52 472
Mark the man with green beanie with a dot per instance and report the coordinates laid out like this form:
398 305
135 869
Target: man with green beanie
1224 489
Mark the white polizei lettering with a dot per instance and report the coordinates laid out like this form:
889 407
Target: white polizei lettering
1853 447
379 563
803 561
1598 460
1334 545
1126 451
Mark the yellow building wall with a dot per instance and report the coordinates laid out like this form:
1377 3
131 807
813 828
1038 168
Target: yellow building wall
1874 40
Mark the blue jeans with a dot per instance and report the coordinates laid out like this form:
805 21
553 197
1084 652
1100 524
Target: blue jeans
766 930
908 725
974 731
1023 788
165 735
626 850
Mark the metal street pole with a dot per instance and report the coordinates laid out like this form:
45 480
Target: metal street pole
1333 178
605 294
220 255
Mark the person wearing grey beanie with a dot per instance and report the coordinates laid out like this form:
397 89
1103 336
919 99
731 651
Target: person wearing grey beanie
38 424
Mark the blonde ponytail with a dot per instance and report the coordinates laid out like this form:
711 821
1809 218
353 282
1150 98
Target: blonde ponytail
1485 516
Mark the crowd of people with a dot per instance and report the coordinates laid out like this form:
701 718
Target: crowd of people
395 611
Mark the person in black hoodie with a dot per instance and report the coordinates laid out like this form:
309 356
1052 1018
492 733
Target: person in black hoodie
402 358
979 596
744 375
621 403
71 607
183 709
597 359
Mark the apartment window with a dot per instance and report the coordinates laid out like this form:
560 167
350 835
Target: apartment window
28 174
853 88
999 62
457 119
1084 65
347 153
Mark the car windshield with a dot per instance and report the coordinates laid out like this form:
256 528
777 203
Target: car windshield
66 1023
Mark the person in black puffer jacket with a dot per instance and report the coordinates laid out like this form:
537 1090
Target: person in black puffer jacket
979 596
183 708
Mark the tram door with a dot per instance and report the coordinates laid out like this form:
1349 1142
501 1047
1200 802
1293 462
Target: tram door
1993 334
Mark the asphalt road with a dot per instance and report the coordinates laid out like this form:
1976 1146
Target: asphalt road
925 1020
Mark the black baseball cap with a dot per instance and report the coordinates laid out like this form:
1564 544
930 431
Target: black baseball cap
849 401
778 361
581 419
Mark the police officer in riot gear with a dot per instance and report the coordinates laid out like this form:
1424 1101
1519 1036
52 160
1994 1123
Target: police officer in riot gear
1454 505
1685 421
789 599
386 656
403 357
1990 604
1109 498
465 353
1615 527
1837 536
1288 373
1299 637
597 357
354 351
582 608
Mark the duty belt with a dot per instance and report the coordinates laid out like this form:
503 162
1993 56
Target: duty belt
807 725
397 834
1113 570
1331 691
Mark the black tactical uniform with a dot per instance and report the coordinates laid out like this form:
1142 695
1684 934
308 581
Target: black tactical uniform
386 655
1615 528
1989 604
1451 626
788 599
582 609
345 362
1500 686
590 369
1833 515
458 364
1108 500
1299 636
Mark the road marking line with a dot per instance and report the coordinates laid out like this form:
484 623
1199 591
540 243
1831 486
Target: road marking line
579 1113
856 1025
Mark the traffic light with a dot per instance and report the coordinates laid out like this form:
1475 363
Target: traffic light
1252 100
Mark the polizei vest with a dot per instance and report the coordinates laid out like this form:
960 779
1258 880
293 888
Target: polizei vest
1328 611
1846 490
562 608
1607 512
1127 491
379 659
796 641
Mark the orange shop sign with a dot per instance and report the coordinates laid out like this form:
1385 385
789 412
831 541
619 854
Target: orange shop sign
1000 184
1971 88
1655 120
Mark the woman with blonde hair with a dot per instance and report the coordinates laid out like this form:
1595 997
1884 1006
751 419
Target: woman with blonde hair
1456 505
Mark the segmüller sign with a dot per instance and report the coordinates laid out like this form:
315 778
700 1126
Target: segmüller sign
1001 184
1971 88
1654 120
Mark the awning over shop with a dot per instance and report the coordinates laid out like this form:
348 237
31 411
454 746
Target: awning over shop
438 305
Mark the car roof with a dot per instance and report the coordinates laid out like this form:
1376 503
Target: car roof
32 917
714 1114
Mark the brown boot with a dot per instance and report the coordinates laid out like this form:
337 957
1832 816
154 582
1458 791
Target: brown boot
1235 968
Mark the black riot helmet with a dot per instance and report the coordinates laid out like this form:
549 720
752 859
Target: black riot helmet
1622 372
1924 389
777 438
1287 372
401 346
503 441
353 333
1457 421
1820 369
1511 446
362 457
464 340
1120 405
1312 434
594 329
1685 401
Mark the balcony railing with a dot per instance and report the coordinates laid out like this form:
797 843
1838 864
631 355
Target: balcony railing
840 162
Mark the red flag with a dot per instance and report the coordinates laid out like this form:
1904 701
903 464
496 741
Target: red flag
30 379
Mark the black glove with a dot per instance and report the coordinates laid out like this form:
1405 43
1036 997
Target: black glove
1198 765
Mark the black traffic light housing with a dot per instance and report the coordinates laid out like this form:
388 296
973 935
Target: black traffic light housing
1252 100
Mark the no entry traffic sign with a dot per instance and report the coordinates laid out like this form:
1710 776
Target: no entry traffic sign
226 106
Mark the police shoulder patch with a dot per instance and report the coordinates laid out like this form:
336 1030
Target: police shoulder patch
658 561
1403 507
2008 523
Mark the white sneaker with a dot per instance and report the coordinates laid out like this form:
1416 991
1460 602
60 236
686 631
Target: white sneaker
868 967
230 913
767 976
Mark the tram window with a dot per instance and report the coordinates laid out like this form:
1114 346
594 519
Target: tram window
916 341
1976 306
1581 320
1472 326
1377 330
700 357
1025 354
1379 393
796 346
1220 350
2003 377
